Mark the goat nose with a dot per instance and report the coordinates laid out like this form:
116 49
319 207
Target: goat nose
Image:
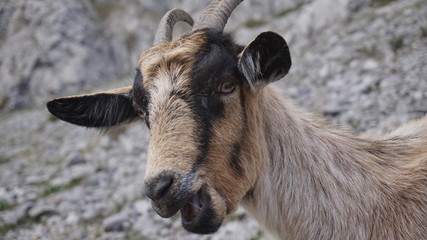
159 187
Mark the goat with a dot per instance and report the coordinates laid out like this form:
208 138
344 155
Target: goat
221 135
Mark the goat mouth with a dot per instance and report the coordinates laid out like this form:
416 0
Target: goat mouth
192 209
198 215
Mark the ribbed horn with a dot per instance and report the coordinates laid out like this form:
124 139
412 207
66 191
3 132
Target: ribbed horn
216 14
164 31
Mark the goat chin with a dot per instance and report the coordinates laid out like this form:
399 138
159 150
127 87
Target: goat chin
204 212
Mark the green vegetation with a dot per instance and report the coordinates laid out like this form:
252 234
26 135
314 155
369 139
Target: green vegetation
176 216
22 222
240 217
258 235
133 235
396 43
255 23
354 123
369 51
98 234
104 9
3 159
234 217
3 101
381 3
423 31
51 189
52 118
5 229
285 12
4 205
370 89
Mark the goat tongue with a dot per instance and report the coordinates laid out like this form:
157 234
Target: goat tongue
192 208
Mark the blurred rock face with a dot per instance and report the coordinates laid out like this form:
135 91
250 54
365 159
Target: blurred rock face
52 48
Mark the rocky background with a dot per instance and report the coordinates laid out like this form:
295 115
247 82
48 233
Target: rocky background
359 63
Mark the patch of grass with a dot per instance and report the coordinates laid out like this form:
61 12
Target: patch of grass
51 189
130 39
4 205
75 182
370 89
381 3
52 118
369 51
4 159
98 234
3 102
255 23
239 217
396 43
20 224
353 123
104 10
5 229
258 235
423 31
285 11
177 216
133 235
235 217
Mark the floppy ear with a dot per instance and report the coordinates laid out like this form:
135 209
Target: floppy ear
103 109
264 60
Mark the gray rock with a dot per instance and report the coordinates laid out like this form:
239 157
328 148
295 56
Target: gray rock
76 159
12 217
72 218
40 210
47 46
5 196
142 207
117 223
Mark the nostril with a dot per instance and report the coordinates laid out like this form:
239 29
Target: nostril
159 187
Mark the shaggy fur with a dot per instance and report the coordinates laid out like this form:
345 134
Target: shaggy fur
318 182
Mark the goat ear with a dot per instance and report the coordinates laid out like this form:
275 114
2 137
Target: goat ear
264 60
103 109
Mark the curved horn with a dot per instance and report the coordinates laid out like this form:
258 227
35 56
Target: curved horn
216 14
164 31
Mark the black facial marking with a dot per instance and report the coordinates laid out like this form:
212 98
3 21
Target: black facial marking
215 63
235 161
141 97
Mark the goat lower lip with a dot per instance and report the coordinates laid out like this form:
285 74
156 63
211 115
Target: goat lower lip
191 210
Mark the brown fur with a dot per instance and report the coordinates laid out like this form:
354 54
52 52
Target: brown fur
319 182
165 68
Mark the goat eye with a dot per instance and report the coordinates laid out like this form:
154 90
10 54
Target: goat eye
227 87
140 113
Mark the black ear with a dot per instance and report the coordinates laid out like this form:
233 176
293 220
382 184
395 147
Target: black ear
264 60
104 109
